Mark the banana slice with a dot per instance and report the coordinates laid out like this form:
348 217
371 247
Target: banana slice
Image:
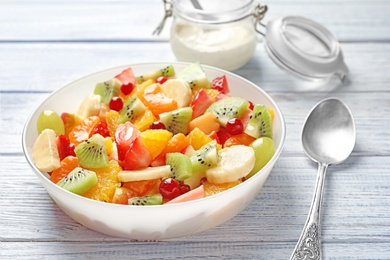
90 106
178 90
149 173
235 162
45 151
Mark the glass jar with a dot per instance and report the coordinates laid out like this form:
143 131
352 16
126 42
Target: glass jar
219 33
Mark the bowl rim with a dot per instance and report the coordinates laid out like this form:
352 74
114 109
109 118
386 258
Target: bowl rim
272 161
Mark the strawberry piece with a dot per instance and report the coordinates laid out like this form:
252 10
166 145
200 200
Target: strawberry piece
137 157
201 102
65 147
125 135
220 84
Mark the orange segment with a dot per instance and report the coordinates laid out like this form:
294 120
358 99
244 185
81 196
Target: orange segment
212 189
153 97
142 188
108 181
112 121
66 166
239 139
197 138
155 140
176 144
144 121
82 131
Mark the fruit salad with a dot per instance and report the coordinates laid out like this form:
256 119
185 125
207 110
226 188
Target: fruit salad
159 138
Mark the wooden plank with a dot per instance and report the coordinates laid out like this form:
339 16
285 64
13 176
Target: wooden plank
355 202
186 250
48 66
135 20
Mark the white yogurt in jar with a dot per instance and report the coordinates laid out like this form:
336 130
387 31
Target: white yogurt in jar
227 46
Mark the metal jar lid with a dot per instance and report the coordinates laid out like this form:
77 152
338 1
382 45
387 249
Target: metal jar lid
304 48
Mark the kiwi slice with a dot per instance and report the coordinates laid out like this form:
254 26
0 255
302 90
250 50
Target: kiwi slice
167 71
79 181
108 89
131 109
228 108
260 122
155 199
92 152
181 166
205 158
194 75
176 121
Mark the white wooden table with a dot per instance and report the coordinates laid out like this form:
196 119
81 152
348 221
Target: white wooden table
45 44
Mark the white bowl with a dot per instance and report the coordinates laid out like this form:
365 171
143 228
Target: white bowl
162 221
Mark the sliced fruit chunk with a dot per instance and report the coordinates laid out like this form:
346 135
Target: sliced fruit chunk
90 106
202 101
155 140
194 194
228 108
79 181
194 75
149 173
132 108
242 138
65 147
142 188
176 144
92 152
108 182
176 121
207 123
45 151
154 98
204 158
50 119
212 188
125 135
108 89
264 148
260 122
220 84
181 166
235 162
83 130
178 90
126 77
168 71
67 165
197 138
138 156
155 199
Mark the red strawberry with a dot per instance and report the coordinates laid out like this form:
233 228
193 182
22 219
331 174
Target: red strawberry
220 84
201 102
137 157
65 147
124 137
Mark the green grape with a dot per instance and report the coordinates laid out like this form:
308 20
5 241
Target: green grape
50 119
264 150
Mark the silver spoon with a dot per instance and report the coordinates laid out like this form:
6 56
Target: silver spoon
328 137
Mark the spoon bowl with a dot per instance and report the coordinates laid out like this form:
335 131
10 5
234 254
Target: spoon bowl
328 137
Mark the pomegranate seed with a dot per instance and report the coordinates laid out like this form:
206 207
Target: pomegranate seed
234 126
116 103
161 79
127 88
157 125
170 188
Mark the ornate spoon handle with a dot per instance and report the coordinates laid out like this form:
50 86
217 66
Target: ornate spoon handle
309 243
